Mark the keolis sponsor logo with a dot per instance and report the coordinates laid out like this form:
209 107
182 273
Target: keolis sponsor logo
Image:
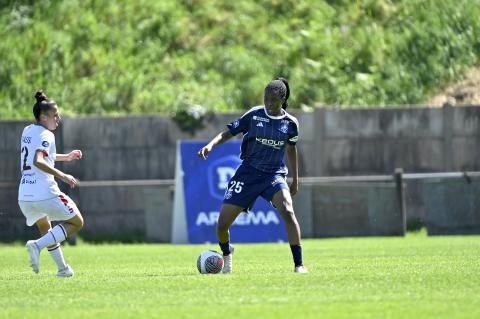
272 143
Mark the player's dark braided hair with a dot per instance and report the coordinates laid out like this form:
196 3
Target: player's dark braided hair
280 89
43 104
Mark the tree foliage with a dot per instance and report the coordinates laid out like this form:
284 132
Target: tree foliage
147 56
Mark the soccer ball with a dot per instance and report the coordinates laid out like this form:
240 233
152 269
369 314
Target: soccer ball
210 262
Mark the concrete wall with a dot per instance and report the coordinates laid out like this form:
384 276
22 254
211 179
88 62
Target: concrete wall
357 209
120 148
362 142
126 213
10 133
12 222
128 147
452 206
333 143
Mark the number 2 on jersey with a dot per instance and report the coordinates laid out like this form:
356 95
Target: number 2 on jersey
25 166
236 186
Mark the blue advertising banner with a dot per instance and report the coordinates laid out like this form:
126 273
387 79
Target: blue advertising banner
204 183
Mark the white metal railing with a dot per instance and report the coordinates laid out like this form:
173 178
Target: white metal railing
387 178
410 176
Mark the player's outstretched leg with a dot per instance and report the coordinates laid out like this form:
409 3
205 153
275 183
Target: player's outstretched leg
283 202
301 269
228 213
52 237
34 253
227 257
64 270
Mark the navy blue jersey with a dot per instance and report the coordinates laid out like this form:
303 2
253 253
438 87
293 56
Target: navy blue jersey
265 138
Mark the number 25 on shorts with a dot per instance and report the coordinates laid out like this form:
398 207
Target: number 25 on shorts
235 186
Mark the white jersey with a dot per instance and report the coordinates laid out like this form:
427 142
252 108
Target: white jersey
36 185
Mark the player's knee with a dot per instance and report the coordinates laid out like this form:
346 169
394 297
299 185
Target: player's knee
44 229
288 214
291 215
80 222
76 223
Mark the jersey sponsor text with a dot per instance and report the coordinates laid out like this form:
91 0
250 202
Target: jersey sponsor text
273 143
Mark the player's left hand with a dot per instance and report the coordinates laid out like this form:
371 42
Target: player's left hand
74 155
294 187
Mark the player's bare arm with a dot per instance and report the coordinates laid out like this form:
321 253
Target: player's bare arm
73 155
221 138
40 163
292 159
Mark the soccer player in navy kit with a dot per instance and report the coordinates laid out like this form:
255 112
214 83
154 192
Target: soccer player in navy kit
268 132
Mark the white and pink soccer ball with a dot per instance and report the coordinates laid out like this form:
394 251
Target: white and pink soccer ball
210 262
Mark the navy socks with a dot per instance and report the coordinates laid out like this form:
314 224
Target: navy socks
225 247
297 254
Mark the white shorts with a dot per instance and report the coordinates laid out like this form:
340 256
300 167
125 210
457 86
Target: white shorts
58 208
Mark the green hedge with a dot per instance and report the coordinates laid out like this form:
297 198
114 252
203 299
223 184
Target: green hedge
148 56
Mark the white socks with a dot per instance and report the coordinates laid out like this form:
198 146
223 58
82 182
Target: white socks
57 255
54 236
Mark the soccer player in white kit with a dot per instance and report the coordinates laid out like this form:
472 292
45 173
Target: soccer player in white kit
39 197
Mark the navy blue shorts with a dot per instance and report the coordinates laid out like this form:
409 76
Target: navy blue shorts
248 183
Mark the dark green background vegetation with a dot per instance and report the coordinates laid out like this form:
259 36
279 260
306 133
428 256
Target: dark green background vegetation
148 56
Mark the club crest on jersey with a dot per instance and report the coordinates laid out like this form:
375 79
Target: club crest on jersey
284 127
261 119
45 144
228 194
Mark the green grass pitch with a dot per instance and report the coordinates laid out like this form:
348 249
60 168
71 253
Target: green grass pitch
411 277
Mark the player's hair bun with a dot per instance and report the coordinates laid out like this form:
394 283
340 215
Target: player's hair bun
40 96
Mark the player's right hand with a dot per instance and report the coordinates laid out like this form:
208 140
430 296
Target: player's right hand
70 180
74 155
203 152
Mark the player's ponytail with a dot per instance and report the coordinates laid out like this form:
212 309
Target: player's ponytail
40 96
43 104
287 94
